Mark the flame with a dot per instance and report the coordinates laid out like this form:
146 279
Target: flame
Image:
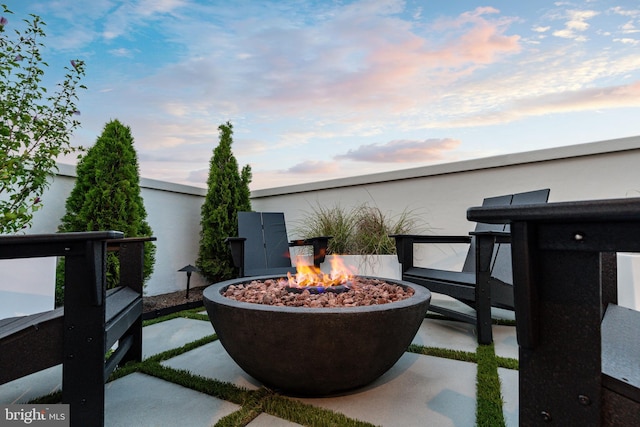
310 275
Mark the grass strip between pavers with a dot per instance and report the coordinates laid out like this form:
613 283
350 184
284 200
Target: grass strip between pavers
193 313
254 402
247 413
465 356
489 403
308 415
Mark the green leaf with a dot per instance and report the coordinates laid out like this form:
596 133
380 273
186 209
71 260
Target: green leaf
34 130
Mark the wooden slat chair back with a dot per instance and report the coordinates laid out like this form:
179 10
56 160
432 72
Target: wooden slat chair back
262 245
579 350
266 244
500 261
501 269
93 319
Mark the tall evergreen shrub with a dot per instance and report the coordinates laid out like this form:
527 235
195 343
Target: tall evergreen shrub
228 193
106 195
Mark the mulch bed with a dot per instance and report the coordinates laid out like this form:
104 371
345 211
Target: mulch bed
160 305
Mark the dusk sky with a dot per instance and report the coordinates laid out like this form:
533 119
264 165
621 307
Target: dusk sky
318 90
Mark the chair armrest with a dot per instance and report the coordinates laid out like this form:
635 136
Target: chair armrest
56 244
498 236
115 243
319 244
417 238
71 244
405 242
309 242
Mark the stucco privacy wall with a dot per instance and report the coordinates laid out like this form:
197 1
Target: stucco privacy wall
438 195
173 212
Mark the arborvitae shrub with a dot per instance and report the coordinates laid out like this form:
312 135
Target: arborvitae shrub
107 195
227 194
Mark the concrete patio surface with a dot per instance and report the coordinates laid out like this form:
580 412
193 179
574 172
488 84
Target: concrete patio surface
418 390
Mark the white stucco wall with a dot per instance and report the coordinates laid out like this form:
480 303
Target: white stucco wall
438 195
173 212
441 194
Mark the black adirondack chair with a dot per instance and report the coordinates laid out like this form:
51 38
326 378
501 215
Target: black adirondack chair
80 335
262 246
485 279
579 350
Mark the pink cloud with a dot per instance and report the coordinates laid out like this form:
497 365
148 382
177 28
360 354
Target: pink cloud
471 38
484 44
313 167
372 61
557 103
586 99
402 151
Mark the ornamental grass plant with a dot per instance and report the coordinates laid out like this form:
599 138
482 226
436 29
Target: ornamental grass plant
361 230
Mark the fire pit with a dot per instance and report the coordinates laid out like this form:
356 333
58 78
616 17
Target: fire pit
315 351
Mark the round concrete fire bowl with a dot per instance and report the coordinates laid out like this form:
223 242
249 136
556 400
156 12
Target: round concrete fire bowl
315 351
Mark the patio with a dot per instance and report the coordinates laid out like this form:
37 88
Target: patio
420 389
425 386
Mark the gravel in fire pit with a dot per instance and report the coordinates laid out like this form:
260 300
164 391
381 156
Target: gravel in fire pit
363 292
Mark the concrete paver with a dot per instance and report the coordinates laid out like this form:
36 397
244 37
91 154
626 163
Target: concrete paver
173 333
509 386
32 386
416 391
138 400
212 361
461 336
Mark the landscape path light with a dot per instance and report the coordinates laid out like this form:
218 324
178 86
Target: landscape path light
188 269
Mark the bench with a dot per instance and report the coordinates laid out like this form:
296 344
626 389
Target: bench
579 350
92 321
